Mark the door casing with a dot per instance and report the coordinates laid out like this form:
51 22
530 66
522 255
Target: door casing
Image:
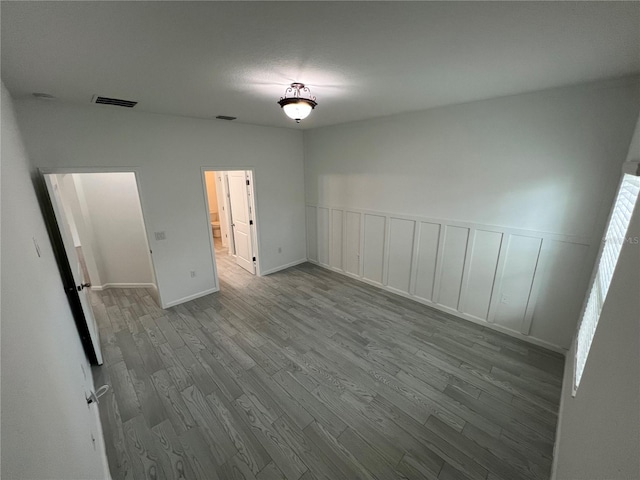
253 199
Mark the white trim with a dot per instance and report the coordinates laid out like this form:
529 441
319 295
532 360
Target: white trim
189 298
455 313
569 238
289 265
136 174
253 204
205 193
107 286
522 331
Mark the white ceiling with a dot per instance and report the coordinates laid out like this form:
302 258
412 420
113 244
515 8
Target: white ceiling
361 59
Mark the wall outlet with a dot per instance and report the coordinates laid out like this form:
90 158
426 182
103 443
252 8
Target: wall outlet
193 273
160 235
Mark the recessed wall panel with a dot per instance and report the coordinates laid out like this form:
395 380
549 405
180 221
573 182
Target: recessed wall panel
400 253
373 253
562 291
336 239
516 281
312 233
323 236
352 243
427 255
453 255
482 273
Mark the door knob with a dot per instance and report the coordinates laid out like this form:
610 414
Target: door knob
83 285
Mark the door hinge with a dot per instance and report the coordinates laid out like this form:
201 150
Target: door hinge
247 182
254 259
250 222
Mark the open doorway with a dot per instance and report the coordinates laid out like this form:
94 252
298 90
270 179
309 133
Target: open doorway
232 220
102 240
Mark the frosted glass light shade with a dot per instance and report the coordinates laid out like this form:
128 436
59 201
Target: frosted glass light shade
294 104
298 110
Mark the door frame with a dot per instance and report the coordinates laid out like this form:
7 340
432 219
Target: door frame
136 174
253 202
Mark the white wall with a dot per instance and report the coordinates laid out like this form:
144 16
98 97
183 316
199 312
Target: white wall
486 210
113 204
46 426
598 429
169 153
76 212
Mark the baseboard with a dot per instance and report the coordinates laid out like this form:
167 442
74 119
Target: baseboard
107 286
283 267
190 297
450 311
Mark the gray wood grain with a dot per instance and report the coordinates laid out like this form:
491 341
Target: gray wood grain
307 374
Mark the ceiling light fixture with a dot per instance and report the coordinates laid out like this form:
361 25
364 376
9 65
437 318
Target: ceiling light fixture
296 106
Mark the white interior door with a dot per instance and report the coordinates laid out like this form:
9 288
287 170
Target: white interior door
241 219
70 249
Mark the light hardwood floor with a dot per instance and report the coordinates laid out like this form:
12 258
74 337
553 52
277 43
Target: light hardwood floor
307 374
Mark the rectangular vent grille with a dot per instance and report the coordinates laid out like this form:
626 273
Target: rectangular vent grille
114 101
225 117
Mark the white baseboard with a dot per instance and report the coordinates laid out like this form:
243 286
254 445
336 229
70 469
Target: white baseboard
283 267
455 313
106 286
190 297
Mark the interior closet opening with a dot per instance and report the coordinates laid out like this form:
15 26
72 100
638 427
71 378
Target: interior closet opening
232 222
102 243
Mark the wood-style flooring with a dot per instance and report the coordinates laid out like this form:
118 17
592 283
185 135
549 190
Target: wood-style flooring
307 374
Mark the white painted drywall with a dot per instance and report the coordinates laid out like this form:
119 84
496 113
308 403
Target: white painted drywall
73 196
46 425
538 169
169 153
541 161
598 432
113 205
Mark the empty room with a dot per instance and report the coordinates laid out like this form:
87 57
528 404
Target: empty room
373 240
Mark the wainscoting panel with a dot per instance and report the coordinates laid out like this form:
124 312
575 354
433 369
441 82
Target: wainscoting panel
561 292
517 281
323 236
312 233
524 283
352 243
374 233
426 259
479 280
453 256
401 235
335 253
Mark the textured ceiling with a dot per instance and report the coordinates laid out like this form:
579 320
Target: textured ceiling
361 59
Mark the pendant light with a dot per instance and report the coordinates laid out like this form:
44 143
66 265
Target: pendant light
295 105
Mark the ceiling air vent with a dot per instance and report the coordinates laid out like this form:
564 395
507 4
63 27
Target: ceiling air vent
225 117
114 101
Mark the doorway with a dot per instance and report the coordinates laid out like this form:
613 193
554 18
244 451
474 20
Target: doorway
102 243
231 219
